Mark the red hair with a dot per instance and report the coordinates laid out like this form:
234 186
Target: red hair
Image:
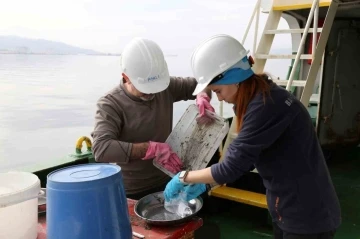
247 90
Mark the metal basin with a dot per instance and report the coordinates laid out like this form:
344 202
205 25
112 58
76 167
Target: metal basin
151 209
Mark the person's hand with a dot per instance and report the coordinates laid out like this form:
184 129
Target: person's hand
203 103
194 190
173 188
163 155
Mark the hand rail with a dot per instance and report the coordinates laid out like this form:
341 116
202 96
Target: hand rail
257 12
314 8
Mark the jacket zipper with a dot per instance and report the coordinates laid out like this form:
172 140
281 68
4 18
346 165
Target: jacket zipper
276 209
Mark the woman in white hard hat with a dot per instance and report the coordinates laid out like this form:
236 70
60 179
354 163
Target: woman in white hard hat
275 135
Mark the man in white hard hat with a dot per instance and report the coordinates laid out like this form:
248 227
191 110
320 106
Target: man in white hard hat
134 119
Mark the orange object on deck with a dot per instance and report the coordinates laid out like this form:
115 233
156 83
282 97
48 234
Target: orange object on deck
182 231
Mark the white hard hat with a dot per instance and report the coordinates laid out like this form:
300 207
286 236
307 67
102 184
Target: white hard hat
143 62
214 56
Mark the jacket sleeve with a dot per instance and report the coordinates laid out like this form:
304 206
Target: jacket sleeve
263 124
182 88
108 125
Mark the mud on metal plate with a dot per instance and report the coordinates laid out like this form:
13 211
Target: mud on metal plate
195 144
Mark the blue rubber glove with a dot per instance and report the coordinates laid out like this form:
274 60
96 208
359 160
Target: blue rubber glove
195 190
173 188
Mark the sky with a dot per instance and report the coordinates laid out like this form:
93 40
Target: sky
107 25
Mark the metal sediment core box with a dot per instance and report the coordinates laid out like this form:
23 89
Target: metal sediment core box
195 144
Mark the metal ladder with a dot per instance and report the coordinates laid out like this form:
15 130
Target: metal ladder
262 55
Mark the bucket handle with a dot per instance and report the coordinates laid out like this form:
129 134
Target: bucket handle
41 193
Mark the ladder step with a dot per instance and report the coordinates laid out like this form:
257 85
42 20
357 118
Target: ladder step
314 98
239 195
285 5
300 83
265 56
282 31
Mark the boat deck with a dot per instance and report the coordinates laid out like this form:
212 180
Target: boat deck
227 219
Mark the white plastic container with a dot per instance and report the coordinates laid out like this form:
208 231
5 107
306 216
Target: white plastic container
19 193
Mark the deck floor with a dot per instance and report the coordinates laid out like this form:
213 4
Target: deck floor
226 219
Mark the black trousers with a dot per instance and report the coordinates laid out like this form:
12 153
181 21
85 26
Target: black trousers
280 234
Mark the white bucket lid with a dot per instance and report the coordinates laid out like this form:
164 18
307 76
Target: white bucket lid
17 187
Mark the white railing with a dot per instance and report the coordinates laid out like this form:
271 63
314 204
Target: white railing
314 9
256 12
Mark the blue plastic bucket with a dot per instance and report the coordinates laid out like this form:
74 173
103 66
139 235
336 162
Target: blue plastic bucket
87 201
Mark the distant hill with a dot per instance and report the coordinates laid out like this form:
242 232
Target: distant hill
20 45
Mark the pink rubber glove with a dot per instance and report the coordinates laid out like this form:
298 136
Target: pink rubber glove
162 153
203 103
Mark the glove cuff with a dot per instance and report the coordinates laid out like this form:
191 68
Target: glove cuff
150 152
203 95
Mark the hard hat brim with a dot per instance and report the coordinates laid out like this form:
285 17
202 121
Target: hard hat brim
200 87
152 87
234 76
